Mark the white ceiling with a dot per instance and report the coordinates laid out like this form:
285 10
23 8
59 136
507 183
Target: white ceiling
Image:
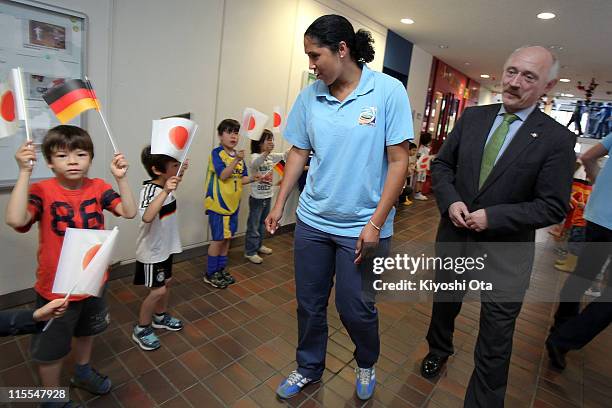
482 33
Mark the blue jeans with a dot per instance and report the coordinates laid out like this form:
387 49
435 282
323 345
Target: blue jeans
259 208
318 256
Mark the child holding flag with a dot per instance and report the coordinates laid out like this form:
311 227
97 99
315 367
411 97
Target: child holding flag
421 176
262 163
71 199
226 174
158 239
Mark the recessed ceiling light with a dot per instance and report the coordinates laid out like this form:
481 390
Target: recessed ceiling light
485 76
555 47
546 16
565 80
442 46
467 63
407 21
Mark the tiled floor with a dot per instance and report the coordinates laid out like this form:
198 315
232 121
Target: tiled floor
239 342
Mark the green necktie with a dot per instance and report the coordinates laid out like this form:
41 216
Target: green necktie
493 146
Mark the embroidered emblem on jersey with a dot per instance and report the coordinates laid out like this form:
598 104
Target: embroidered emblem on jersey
368 116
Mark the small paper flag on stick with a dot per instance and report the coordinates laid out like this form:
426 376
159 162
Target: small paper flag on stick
8 111
278 120
173 137
280 168
83 264
85 258
253 123
424 162
70 99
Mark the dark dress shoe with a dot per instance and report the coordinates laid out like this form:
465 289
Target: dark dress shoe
432 365
556 355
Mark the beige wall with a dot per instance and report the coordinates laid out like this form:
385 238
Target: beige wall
153 58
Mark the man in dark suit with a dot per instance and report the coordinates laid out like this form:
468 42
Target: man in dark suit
503 172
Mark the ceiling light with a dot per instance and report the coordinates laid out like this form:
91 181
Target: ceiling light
555 47
467 63
565 80
407 21
485 76
442 46
546 16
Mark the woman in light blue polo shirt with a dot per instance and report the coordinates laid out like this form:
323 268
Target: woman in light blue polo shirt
356 123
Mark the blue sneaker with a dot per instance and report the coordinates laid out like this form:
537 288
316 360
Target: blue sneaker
366 381
93 381
145 338
293 384
167 322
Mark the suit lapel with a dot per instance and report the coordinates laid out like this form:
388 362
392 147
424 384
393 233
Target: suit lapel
523 138
480 139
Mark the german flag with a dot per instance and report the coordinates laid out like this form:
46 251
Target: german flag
70 99
280 168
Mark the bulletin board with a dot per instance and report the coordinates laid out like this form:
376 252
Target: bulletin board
48 43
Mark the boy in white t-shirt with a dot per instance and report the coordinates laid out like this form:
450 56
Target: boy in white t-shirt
158 239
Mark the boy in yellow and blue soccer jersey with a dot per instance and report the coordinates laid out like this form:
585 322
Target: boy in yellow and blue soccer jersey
226 174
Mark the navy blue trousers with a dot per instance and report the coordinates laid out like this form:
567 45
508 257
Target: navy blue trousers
318 256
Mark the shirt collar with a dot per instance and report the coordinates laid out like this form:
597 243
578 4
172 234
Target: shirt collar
523 114
366 84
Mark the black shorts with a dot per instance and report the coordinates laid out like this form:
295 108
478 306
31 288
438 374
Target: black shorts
153 275
86 317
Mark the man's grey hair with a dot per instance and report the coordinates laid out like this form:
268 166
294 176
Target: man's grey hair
553 73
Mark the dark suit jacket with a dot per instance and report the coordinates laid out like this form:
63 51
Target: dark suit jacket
529 187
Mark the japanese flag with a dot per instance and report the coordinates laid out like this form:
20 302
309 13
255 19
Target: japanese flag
253 124
86 255
8 112
278 120
424 163
173 137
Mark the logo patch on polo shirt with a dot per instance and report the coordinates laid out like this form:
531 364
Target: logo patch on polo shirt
368 116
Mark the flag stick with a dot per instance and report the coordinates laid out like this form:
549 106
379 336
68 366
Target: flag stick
186 151
99 109
185 155
23 107
65 298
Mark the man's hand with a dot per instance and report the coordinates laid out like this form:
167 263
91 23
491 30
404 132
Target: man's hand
458 212
477 220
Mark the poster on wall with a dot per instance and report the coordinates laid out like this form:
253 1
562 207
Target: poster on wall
49 45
